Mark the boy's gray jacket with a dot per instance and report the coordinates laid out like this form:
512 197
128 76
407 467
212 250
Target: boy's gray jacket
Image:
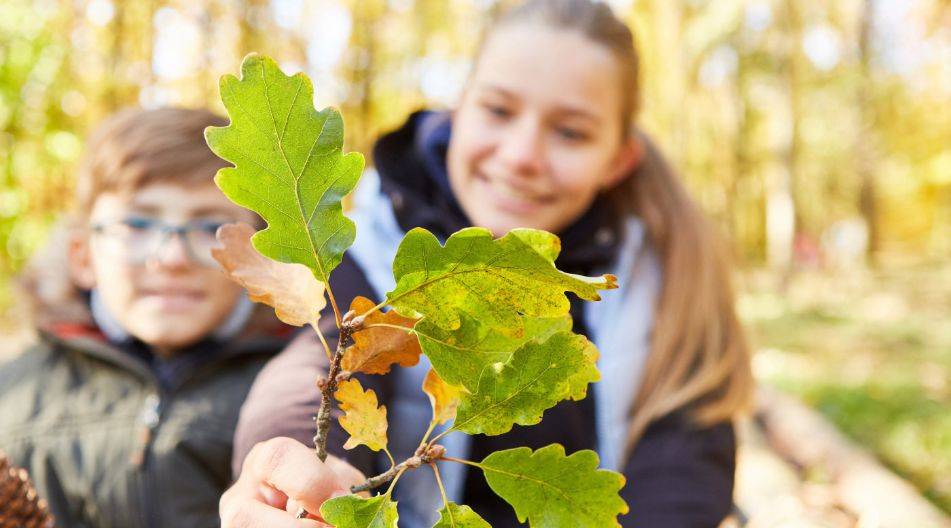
106 447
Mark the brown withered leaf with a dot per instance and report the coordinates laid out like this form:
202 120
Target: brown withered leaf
296 295
374 350
363 419
443 397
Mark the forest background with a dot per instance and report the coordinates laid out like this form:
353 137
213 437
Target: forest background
816 133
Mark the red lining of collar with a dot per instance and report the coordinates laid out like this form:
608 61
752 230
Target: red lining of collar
76 330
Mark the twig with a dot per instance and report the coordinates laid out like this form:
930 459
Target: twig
420 458
329 385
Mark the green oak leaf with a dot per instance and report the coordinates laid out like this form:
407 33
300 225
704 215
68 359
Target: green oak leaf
586 374
289 165
538 376
353 511
460 356
553 490
500 280
455 516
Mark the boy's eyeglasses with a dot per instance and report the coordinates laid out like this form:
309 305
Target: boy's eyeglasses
141 238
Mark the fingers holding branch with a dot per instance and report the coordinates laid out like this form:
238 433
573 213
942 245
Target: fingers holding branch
282 474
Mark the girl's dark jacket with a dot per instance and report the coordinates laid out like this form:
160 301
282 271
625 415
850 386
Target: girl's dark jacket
112 441
678 476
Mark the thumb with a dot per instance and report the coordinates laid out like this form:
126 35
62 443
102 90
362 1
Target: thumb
293 468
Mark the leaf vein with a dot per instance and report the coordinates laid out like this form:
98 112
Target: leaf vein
287 117
310 218
520 389
310 153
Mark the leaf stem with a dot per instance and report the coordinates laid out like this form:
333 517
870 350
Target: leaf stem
333 303
390 456
323 341
442 489
462 461
432 425
376 308
389 490
408 330
439 436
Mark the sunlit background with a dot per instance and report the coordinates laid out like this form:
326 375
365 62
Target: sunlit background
816 133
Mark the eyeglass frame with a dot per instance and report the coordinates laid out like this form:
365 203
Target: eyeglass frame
163 231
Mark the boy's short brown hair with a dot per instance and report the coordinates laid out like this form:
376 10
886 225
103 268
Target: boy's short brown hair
135 148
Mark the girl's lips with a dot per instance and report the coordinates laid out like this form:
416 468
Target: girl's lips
511 200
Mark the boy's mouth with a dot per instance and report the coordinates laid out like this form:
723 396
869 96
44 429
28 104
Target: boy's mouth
172 299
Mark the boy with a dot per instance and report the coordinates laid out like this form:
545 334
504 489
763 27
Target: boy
124 412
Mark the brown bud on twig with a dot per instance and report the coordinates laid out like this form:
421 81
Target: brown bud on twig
357 323
343 376
347 317
435 452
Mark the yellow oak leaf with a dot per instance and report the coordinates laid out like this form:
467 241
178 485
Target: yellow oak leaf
443 397
365 422
376 348
296 295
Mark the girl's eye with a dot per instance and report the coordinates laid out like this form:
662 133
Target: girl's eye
572 134
497 110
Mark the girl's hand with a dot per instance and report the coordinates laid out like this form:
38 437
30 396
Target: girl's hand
278 477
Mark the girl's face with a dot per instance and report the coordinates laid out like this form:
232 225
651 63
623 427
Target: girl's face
537 133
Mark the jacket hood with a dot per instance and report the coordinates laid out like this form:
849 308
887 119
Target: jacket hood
50 298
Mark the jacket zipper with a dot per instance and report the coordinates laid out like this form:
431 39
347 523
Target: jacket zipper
149 419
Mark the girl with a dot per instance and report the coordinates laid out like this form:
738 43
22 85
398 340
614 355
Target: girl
542 138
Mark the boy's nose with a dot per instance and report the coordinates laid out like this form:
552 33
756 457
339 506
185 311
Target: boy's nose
523 148
171 252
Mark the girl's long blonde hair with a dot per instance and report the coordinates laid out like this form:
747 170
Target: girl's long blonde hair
699 358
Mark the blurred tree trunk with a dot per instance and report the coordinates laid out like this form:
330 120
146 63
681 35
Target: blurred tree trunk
668 90
745 219
208 88
251 38
782 216
138 72
115 61
864 144
360 73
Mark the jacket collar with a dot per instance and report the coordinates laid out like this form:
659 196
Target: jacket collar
264 335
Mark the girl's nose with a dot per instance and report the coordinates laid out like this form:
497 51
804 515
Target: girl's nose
523 148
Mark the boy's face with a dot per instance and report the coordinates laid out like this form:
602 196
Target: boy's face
161 286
